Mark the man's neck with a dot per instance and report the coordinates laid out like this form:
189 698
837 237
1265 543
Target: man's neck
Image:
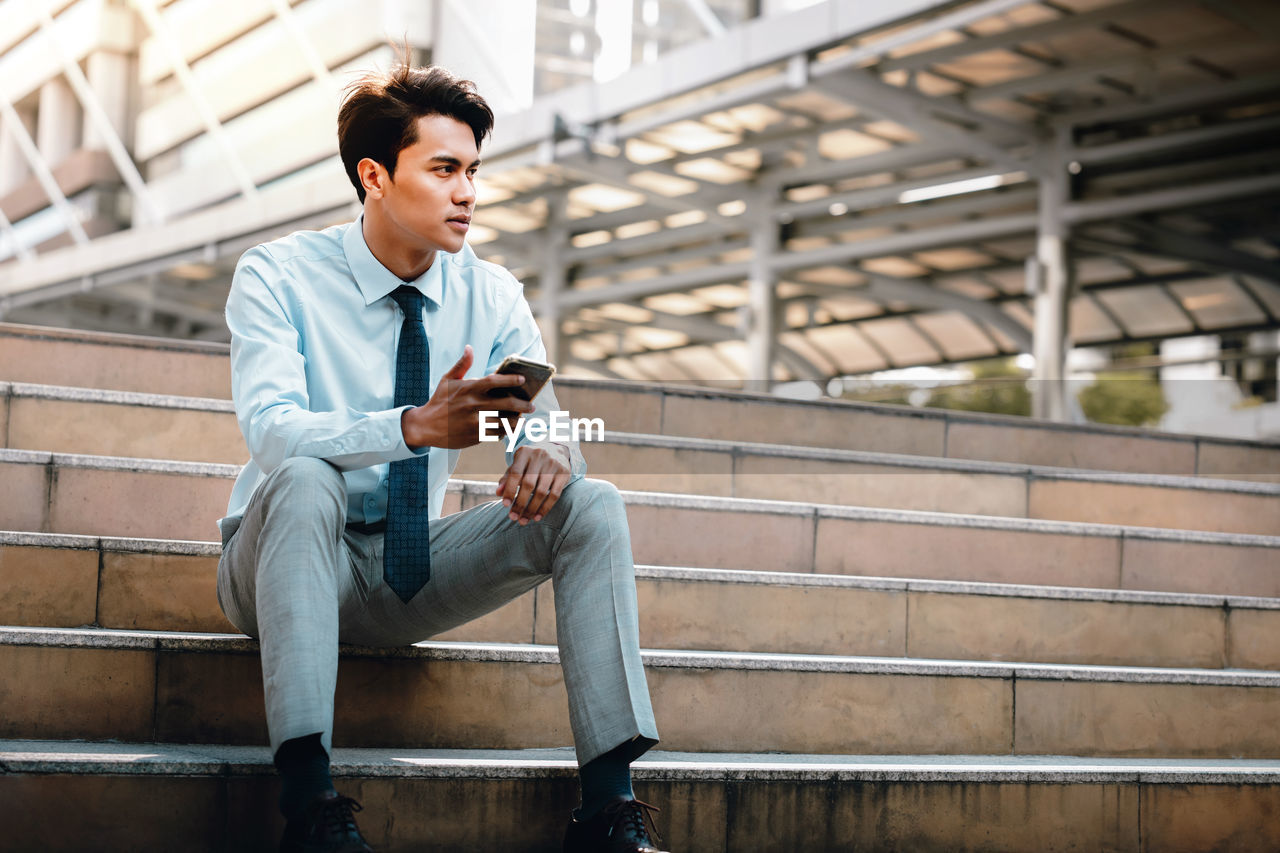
405 262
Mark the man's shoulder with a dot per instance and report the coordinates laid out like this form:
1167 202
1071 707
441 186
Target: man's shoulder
301 246
485 273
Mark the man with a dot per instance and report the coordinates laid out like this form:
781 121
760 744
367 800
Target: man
342 342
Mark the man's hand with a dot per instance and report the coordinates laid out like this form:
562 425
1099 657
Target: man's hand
451 418
533 483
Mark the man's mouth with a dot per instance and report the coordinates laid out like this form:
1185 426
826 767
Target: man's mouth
459 223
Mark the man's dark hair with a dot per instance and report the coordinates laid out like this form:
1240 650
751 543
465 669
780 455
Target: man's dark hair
379 116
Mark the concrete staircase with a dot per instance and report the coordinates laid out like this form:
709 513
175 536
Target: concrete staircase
866 627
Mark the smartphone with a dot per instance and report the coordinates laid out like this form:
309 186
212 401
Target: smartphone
535 373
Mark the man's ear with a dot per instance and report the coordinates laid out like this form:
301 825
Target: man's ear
373 177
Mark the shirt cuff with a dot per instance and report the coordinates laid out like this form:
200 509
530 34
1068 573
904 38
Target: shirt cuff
390 420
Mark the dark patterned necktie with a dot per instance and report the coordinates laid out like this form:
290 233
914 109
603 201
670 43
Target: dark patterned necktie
406 558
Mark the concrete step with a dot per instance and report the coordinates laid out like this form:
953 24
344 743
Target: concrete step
139 498
162 797
30 354
116 423
50 356
50 580
144 686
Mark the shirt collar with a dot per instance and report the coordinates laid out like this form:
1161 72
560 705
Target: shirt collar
376 281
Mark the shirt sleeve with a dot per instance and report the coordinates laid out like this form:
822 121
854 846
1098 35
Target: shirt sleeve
519 336
269 384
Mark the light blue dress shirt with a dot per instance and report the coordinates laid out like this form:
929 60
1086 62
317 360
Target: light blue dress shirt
314 333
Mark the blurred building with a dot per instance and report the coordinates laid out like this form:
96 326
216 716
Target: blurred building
749 191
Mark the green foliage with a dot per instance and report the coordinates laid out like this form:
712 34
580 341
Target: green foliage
1131 398
895 393
1000 388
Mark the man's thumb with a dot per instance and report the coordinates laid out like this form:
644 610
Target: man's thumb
459 370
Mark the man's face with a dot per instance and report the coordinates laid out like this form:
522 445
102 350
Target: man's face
432 196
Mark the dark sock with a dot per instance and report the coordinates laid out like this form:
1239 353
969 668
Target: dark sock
304 773
605 778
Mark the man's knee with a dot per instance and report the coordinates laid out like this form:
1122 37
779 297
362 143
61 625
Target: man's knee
593 502
309 487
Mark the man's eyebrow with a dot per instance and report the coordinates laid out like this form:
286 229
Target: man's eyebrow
454 161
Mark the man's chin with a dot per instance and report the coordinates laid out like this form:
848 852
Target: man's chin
453 244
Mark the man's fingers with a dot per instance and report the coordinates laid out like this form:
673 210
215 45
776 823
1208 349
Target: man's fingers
539 509
508 404
528 493
497 380
459 370
510 485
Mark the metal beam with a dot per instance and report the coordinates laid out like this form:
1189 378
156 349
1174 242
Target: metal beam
951 207
553 277
919 113
1085 72
21 250
888 195
40 169
921 292
958 19
1256 16
595 367
713 25
1214 95
843 253
1033 33
93 109
1145 146
1052 291
614 173
116 255
910 241
155 23
666 259
702 331
1178 197
319 70
1206 254
658 240
762 283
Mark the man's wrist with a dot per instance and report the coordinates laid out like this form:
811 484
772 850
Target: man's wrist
414 429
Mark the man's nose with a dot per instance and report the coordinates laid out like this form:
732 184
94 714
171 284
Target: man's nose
464 192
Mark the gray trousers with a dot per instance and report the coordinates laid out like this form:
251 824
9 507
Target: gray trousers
294 576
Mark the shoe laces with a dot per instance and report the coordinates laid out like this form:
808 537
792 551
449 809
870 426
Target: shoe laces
636 817
338 818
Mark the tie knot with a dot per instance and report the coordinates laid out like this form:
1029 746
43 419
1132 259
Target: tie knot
410 301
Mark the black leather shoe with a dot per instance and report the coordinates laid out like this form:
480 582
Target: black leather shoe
622 826
326 825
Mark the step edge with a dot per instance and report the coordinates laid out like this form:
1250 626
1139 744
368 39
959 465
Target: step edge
818 511
118 759
946 416
207 643
869 457
75 394
944 463
745 577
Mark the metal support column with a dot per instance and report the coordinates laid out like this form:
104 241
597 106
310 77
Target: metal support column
552 277
57 122
1053 288
108 78
13 166
762 303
